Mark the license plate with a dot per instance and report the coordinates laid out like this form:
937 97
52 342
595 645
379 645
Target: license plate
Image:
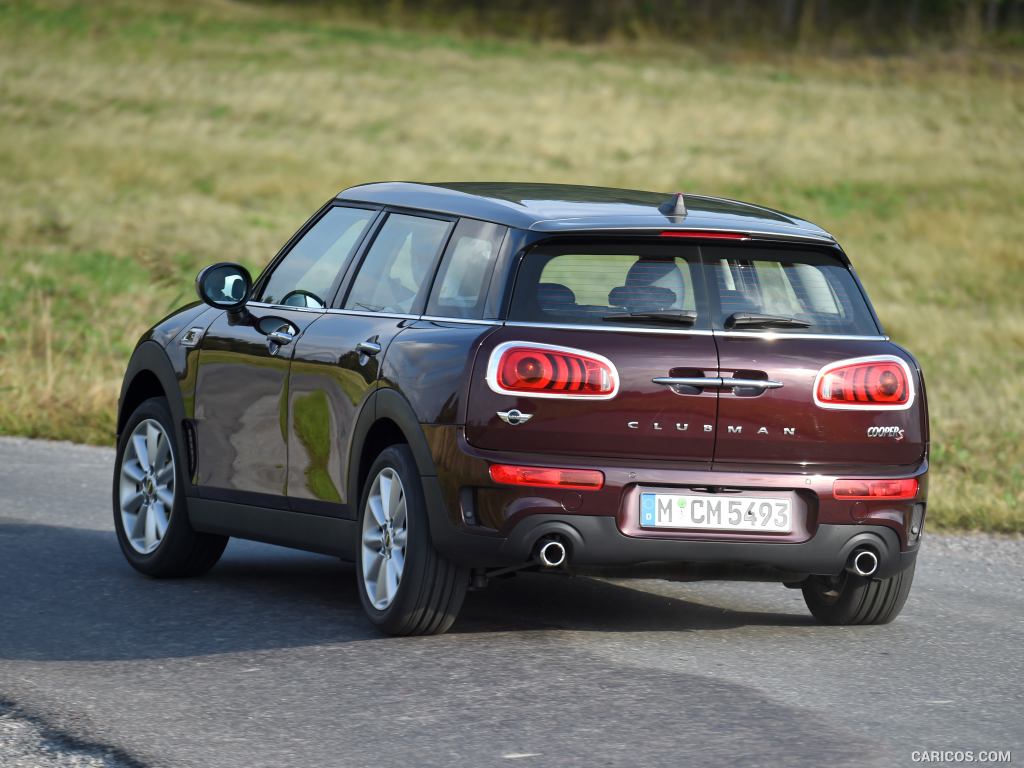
753 514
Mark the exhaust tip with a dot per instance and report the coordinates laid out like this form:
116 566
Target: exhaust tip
551 553
863 562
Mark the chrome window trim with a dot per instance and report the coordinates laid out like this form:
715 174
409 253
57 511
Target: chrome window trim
368 313
617 328
773 335
287 307
470 321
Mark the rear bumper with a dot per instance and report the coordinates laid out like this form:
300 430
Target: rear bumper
480 525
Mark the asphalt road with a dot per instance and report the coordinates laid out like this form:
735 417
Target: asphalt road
267 660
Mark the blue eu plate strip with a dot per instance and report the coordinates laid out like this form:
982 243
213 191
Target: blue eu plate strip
647 509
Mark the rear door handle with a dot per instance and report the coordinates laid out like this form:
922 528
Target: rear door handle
751 383
693 384
370 348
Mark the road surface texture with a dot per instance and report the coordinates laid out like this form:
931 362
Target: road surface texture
268 661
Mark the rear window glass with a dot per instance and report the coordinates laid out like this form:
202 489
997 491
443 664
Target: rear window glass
785 292
656 286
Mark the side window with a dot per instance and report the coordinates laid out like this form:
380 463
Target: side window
461 285
305 275
399 264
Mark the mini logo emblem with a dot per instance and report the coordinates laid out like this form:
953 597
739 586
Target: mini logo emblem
896 433
514 417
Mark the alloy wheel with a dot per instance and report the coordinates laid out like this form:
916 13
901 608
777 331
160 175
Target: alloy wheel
147 486
384 535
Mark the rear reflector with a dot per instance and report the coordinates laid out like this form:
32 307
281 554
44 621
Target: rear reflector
544 370
875 489
696 234
883 382
547 477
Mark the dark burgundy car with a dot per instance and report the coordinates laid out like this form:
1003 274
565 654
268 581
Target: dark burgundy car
446 383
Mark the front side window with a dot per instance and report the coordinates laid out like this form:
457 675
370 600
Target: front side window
785 291
396 270
461 285
639 285
305 276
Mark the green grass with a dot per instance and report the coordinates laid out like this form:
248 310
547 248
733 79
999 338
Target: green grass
140 142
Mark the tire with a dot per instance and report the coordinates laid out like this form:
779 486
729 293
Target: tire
154 541
852 599
405 585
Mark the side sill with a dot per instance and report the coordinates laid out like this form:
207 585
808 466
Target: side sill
313 533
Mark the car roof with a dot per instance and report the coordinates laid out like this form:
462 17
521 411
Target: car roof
574 208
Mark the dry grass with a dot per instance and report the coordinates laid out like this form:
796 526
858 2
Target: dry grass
139 143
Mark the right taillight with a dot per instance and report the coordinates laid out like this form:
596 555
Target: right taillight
865 383
901 488
545 370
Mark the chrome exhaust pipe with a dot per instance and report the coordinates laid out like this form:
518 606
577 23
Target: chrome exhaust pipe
863 562
551 552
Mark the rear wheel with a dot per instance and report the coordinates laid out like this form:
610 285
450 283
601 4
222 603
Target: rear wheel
405 585
851 599
150 512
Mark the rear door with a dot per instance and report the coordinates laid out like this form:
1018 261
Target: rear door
338 361
788 319
638 307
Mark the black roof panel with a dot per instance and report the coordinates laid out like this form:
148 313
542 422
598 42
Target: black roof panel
573 208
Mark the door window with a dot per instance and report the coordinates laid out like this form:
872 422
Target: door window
461 285
305 276
398 267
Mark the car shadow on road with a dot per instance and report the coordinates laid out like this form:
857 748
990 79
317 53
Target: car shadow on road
67 594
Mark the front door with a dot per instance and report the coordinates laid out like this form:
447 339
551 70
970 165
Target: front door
241 408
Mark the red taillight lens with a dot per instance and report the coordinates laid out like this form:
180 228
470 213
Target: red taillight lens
875 489
548 371
693 234
547 477
875 382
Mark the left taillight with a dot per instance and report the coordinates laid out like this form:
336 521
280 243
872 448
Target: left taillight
545 370
882 382
547 477
902 488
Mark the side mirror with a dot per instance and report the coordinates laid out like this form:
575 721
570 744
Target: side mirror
225 286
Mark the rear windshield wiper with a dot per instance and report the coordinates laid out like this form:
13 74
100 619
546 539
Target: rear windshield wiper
678 316
757 320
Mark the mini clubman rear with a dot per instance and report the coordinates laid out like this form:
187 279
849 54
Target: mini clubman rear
473 380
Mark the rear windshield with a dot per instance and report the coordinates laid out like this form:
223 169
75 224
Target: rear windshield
739 288
784 291
611 285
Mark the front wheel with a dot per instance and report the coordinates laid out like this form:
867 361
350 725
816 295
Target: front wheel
851 599
150 511
406 586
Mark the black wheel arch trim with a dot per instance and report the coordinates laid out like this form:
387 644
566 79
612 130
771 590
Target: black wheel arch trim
150 357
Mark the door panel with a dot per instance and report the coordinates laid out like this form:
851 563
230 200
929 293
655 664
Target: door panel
240 418
644 420
752 429
330 379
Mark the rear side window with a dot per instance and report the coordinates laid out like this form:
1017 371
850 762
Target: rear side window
303 278
461 285
398 266
608 285
785 291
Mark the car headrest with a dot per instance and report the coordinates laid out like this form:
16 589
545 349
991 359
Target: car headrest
642 298
555 297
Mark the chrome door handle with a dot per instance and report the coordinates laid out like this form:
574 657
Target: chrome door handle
370 348
697 382
280 337
688 384
752 383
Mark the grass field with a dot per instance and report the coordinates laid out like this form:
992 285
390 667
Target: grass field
140 142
